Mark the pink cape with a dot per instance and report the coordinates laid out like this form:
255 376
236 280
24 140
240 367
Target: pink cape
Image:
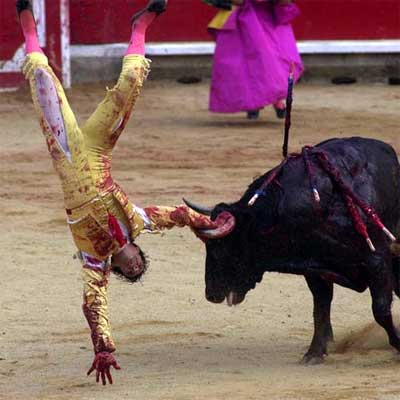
254 50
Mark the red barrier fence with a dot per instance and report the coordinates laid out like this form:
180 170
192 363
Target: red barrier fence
53 31
107 21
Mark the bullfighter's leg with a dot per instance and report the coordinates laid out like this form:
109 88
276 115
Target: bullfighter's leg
49 101
47 92
381 288
45 88
104 127
110 117
322 292
280 109
58 122
28 26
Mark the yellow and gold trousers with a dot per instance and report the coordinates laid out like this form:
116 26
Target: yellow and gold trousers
82 159
82 156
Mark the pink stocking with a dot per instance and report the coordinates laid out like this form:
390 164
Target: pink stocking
28 26
280 105
139 27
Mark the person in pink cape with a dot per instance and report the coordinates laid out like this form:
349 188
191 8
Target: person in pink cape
255 47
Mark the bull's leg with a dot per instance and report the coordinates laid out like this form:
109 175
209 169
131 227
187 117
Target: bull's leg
381 288
322 292
396 275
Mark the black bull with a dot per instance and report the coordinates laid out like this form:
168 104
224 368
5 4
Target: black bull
287 231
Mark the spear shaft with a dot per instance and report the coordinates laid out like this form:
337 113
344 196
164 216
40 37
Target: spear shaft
289 101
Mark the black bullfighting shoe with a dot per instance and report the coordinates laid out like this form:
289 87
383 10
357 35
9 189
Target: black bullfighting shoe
253 114
24 5
156 6
280 112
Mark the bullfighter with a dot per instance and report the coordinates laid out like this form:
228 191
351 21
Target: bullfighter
103 222
255 48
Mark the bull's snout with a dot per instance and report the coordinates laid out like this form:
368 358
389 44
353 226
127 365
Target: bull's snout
215 297
232 298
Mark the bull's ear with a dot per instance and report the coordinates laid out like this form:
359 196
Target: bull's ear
200 209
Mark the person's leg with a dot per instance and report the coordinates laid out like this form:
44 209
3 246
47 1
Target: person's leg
280 109
253 114
111 115
28 26
140 22
46 90
63 136
105 125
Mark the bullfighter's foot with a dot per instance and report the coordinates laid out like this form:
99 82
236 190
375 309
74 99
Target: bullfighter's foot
253 114
157 6
280 109
24 5
153 6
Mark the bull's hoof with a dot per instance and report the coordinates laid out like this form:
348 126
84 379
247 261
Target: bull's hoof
312 359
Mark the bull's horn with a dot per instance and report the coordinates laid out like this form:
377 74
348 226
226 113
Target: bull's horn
225 223
200 209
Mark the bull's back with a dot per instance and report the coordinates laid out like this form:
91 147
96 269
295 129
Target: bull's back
368 167
375 151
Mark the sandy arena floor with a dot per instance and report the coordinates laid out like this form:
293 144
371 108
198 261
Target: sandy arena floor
172 343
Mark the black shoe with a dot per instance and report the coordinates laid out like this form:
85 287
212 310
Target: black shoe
156 6
280 112
24 5
253 114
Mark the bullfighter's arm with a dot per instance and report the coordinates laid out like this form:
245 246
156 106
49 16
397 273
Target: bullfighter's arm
164 217
95 309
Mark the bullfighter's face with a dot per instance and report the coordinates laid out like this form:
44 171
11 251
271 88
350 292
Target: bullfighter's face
130 263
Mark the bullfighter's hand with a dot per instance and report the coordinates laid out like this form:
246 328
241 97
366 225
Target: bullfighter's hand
102 363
